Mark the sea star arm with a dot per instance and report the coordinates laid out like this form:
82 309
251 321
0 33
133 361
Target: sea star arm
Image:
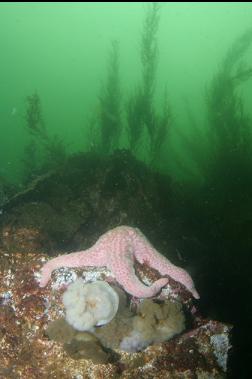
123 268
89 257
146 253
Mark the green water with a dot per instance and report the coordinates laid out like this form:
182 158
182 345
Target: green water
60 51
172 83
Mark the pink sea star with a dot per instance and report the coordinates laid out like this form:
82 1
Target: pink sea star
117 250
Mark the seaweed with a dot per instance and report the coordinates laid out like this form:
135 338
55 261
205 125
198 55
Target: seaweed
227 120
43 152
38 135
141 113
110 103
34 120
222 150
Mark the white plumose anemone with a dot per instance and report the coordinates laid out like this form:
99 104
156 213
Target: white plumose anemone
90 304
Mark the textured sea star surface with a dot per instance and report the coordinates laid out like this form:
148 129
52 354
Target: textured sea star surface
117 250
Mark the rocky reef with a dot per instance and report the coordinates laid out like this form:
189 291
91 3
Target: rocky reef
36 341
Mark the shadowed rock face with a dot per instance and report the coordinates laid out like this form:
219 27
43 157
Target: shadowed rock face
69 208
27 352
